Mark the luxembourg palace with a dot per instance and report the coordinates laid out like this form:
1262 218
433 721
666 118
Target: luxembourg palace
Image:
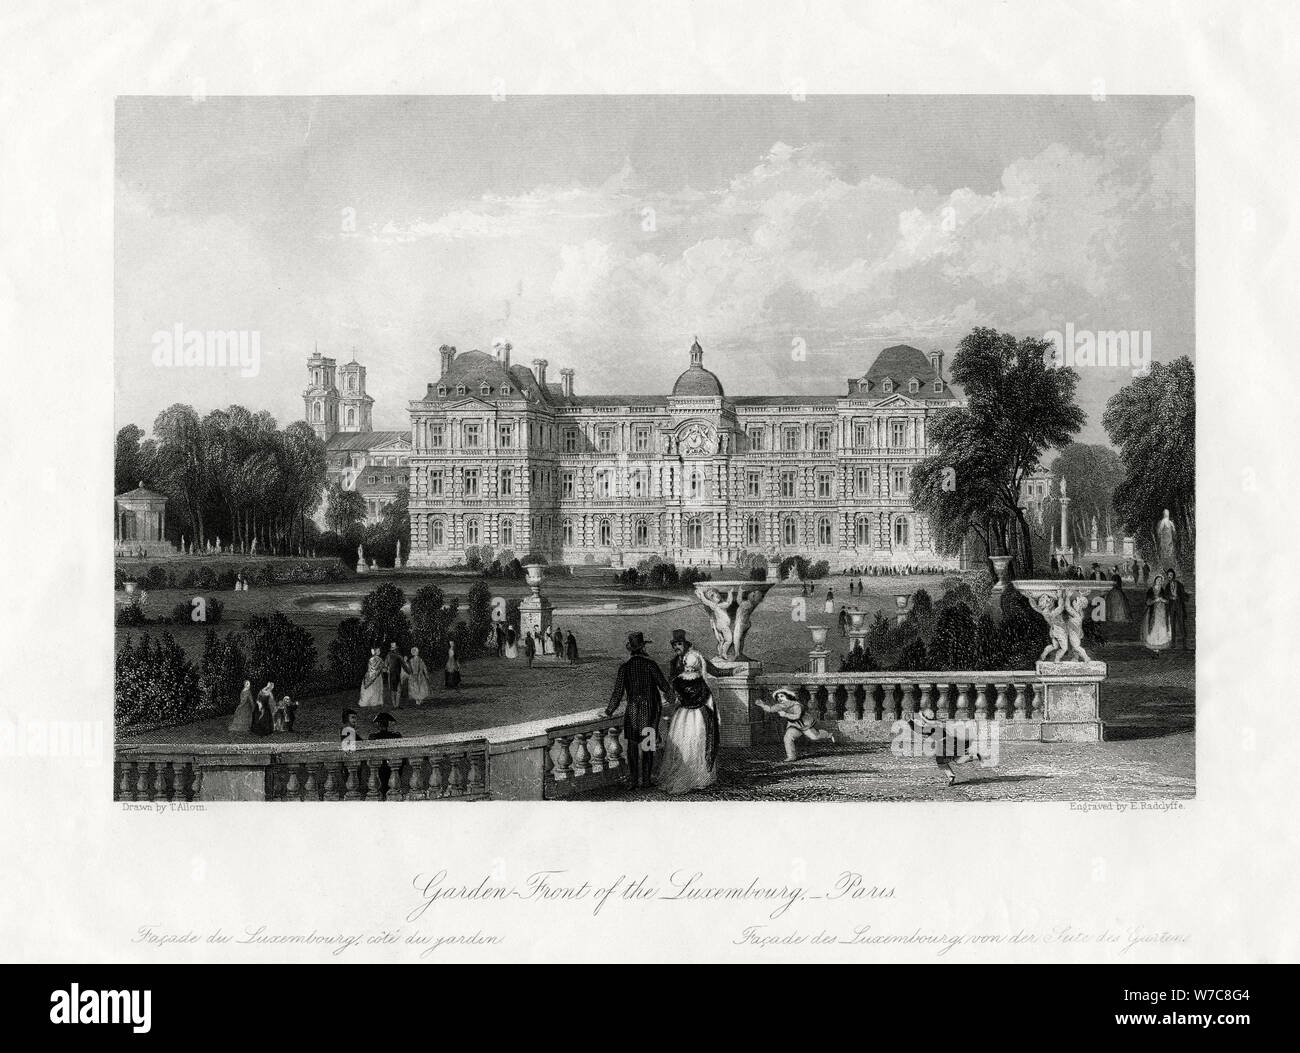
498 455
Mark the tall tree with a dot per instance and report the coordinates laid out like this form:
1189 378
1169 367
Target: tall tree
1019 405
1092 474
344 509
1153 422
181 464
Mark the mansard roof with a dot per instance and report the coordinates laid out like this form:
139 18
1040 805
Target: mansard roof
366 440
473 369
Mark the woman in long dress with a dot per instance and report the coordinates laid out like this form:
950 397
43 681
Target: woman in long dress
372 684
264 710
451 671
418 685
242 719
690 754
512 642
1156 633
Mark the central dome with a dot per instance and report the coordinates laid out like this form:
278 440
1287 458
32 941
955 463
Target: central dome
697 381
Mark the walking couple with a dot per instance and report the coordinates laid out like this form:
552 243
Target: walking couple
688 759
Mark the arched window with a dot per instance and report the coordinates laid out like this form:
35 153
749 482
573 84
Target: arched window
352 415
642 533
753 531
694 533
862 531
789 531
435 531
507 532
696 484
315 411
606 533
824 531
901 532
471 531
568 531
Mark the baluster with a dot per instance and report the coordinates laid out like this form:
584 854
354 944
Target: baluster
886 702
909 703
292 787
1019 703
395 792
581 758
311 791
613 748
981 702
1039 708
196 787
437 778
1000 703
372 779
160 780
596 751
853 700
562 759
941 701
927 700
474 780
332 782
352 791
456 775
418 791
181 781
963 701
126 785
142 781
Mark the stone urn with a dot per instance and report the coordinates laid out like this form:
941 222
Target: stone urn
130 586
533 575
819 636
857 619
731 605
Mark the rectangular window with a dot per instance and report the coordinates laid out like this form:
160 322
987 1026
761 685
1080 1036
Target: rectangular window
435 484
605 440
824 484
507 482
506 436
472 435
823 439
471 482
862 481
860 436
756 439
566 482
789 484
603 485
753 484
435 436
897 433
898 480
790 440
570 441
641 440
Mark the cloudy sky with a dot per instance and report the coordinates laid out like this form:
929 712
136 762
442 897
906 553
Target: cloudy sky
605 233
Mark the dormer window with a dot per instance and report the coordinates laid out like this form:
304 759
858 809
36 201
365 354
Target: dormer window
485 390
460 389
887 386
442 391
913 386
863 387
938 387
505 389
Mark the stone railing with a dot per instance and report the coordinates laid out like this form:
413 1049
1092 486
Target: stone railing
1055 701
543 760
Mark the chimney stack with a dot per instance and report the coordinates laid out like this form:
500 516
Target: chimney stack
448 354
566 382
539 369
936 360
502 349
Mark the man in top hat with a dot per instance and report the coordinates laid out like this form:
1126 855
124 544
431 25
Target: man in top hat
681 647
641 682
385 722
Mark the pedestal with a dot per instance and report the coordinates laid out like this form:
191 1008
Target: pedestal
535 614
1072 698
732 694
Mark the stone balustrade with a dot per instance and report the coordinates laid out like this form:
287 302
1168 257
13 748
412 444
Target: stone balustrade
551 759
1055 701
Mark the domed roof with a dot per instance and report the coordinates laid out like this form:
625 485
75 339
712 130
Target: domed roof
697 381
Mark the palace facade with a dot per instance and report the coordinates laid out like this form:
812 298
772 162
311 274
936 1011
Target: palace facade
503 457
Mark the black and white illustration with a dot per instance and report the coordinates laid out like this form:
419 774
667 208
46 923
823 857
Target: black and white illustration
654 448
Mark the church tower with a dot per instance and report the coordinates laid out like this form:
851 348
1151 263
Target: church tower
321 399
354 403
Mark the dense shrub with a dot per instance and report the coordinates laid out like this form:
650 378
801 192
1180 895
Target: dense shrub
953 644
383 620
155 578
349 652
432 623
691 576
818 570
478 620
183 612
221 672
131 614
278 650
858 660
758 573
154 682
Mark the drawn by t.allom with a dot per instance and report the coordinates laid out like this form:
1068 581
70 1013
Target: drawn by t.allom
654 448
